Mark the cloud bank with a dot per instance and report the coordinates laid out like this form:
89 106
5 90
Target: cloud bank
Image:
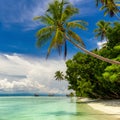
20 73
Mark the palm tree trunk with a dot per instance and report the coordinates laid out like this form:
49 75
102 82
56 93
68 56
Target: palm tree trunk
93 54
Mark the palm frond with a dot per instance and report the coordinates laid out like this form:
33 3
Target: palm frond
44 30
68 12
52 44
77 24
46 19
76 37
81 22
54 9
102 29
63 2
42 40
100 24
110 8
44 35
56 42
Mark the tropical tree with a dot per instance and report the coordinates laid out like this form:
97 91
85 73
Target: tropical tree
113 35
102 29
110 7
90 77
58 29
59 75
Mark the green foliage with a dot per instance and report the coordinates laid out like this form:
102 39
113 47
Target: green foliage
112 73
114 35
117 48
90 77
59 75
102 28
84 88
56 26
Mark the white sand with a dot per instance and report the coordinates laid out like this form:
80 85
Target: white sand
111 107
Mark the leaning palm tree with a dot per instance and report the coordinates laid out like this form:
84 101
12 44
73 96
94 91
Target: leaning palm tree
110 7
102 29
59 75
58 29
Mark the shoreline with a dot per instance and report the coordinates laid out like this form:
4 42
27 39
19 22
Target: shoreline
110 107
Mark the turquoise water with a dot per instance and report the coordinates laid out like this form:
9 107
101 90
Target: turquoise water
47 108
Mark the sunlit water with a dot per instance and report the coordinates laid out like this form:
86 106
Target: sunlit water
47 108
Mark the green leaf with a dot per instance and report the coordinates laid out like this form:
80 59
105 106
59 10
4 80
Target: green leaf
42 40
68 12
44 30
56 41
76 37
77 24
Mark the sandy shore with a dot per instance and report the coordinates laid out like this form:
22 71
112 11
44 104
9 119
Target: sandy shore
111 107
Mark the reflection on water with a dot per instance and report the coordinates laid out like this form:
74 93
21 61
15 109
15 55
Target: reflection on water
47 108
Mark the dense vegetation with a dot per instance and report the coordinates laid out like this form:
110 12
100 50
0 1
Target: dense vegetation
87 76
90 77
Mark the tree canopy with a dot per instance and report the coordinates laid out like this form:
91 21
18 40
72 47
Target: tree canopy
90 77
58 29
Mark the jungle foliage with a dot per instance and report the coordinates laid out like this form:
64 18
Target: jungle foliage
90 77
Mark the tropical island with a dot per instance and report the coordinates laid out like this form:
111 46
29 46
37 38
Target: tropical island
82 85
87 76
93 74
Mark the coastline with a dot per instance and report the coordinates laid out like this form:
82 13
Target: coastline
111 107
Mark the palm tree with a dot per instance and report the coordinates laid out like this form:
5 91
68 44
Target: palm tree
58 29
102 29
59 75
111 7
57 26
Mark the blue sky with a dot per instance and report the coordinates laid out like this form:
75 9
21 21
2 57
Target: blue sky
17 29
17 44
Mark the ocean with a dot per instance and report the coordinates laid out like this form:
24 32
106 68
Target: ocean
47 108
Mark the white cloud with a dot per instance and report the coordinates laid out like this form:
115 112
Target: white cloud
26 74
101 44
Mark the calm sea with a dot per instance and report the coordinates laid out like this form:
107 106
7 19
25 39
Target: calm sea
47 108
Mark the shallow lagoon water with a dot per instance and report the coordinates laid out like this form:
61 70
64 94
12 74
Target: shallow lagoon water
47 108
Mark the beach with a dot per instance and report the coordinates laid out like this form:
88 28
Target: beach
111 107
